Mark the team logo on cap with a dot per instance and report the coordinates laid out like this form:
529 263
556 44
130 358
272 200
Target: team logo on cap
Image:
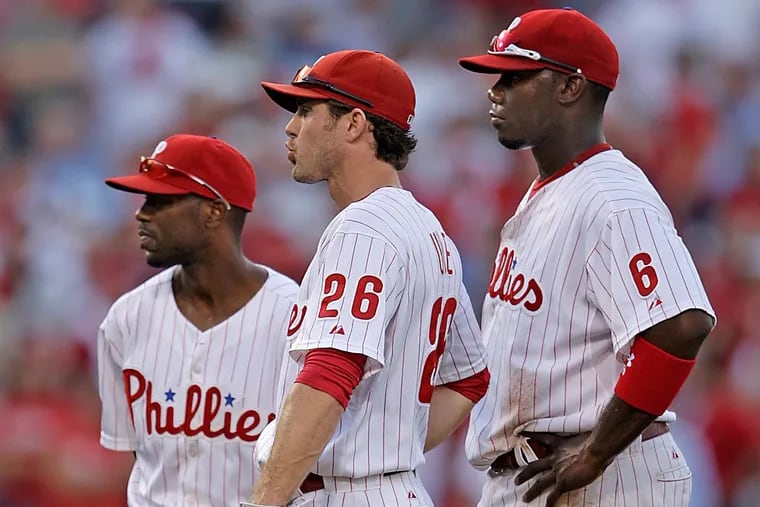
305 71
160 147
302 73
514 24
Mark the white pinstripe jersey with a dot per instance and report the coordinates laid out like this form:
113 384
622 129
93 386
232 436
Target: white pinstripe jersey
190 403
584 265
385 282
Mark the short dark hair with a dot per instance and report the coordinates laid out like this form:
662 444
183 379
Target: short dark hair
599 94
236 220
235 215
392 144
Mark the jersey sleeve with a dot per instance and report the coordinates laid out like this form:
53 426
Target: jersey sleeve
117 430
640 273
352 294
464 354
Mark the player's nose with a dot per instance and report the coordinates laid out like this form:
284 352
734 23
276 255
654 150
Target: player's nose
495 95
140 214
291 129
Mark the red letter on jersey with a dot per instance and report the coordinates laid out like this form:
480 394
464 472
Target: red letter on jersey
129 374
439 243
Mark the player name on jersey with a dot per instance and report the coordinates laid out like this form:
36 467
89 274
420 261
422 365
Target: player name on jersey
162 418
512 288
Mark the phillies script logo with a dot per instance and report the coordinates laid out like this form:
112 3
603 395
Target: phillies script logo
160 418
511 287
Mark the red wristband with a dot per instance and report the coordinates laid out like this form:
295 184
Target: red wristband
652 377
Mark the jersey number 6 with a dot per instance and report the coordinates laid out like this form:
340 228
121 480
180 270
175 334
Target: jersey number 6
643 273
440 322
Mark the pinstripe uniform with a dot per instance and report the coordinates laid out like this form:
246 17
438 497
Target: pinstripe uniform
190 403
385 282
589 260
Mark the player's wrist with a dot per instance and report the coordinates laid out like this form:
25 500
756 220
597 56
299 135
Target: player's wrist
597 455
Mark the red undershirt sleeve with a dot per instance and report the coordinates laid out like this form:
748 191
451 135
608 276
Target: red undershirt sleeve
334 372
474 387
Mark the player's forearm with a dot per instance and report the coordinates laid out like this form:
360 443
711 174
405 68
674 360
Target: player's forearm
620 422
619 425
448 409
308 420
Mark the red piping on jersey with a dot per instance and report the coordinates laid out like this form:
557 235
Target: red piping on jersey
538 183
473 387
334 372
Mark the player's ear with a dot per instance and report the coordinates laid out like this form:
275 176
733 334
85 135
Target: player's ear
570 87
214 213
358 124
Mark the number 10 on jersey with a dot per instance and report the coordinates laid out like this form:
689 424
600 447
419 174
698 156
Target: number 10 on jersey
440 322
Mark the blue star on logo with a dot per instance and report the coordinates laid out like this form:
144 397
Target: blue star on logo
228 400
169 395
514 263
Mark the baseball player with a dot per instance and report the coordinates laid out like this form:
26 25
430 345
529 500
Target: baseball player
188 361
388 348
595 311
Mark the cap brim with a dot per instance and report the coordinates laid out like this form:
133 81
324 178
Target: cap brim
286 95
496 64
140 184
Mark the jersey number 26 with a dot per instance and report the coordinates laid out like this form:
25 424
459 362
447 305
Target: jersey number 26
366 297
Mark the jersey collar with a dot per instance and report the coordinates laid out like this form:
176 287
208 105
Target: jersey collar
538 183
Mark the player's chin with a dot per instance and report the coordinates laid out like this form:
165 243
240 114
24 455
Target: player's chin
302 176
512 143
155 260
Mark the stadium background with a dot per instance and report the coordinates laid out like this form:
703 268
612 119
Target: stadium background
86 86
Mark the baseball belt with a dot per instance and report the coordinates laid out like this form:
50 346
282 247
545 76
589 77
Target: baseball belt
314 482
509 461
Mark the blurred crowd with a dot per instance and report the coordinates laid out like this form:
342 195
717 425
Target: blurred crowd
87 86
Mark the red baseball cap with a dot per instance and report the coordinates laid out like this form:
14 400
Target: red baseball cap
559 39
365 79
190 164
